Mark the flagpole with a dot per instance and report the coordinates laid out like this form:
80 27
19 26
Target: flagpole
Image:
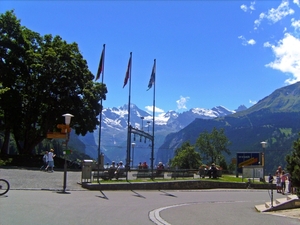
152 147
100 116
128 122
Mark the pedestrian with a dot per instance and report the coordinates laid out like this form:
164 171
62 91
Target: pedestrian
270 178
283 180
278 181
279 169
51 156
45 161
289 184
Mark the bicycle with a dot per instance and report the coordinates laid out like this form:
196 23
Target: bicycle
4 187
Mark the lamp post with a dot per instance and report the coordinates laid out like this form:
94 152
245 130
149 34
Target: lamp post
132 145
148 122
263 160
68 130
142 122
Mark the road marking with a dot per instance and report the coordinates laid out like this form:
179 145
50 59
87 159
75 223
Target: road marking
155 217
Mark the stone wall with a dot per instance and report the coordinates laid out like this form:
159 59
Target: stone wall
176 185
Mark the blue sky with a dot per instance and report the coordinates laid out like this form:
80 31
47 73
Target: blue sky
208 53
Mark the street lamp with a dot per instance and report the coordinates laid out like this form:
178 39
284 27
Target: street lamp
68 117
142 122
263 144
132 145
148 122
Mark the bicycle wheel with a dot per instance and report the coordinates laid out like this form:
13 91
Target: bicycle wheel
4 186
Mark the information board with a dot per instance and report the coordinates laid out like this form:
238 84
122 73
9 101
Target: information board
247 159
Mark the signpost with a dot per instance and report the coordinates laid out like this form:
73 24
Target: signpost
247 159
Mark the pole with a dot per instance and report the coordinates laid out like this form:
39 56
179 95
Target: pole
65 165
264 163
132 145
152 147
271 183
100 116
128 122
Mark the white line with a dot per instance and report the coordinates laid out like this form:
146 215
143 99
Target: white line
155 217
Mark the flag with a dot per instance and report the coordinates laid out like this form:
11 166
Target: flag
101 64
128 72
152 78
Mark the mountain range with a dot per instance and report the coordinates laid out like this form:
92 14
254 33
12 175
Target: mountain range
114 130
274 119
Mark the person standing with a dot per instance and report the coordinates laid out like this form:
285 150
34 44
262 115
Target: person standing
51 156
45 161
278 182
283 180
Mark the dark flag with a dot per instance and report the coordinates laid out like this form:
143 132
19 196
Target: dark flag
101 64
152 78
128 72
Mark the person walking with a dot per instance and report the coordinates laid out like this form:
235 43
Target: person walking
51 156
45 161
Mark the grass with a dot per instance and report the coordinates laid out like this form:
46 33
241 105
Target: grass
224 178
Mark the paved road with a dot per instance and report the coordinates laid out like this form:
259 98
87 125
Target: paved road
36 179
29 203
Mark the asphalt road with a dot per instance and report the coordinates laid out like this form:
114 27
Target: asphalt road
29 203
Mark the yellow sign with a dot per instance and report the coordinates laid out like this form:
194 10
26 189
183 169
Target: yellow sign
64 128
248 162
56 135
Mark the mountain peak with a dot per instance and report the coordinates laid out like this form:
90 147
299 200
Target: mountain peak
241 108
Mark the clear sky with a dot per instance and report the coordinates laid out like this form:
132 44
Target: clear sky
208 53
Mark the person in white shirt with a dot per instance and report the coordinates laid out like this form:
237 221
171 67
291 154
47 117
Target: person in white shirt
51 155
45 161
120 170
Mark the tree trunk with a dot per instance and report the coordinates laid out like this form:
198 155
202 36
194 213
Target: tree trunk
5 145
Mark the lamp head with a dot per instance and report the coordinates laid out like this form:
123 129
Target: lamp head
263 144
68 117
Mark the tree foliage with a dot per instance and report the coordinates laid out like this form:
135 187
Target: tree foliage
293 165
211 145
186 157
47 77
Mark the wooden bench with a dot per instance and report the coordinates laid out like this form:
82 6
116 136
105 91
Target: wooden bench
102 174
106 175
182 173
148 174
210 174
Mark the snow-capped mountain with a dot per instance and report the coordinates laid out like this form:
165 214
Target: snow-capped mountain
114 128
117 118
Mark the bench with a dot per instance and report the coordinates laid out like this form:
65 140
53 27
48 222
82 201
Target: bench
102 174
211 174
148 174
107 175
182 173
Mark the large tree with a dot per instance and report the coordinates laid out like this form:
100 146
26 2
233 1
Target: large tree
293 165
212 145
186 157
47 77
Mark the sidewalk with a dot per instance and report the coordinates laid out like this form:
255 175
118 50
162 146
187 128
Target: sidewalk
21 179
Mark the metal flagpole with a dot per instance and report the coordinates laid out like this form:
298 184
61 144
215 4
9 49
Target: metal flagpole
152 148
128 122
100 116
